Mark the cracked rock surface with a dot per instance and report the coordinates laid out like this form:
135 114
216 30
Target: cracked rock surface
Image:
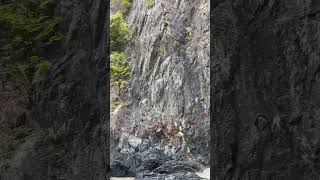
167 97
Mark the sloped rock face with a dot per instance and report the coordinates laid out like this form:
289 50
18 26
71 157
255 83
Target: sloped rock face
69 119
170 169
168 92
10 112
265 89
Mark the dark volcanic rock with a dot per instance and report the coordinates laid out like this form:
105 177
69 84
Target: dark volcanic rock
175 176
173 169
119 170
68 118
138 158
265 86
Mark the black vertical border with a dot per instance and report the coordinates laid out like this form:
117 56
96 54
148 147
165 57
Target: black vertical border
211 88
106 123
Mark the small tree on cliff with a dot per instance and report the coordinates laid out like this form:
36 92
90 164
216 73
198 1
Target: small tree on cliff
119 32
119 70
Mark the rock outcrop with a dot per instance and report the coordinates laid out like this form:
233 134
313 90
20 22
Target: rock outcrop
64 133
264 89
167 96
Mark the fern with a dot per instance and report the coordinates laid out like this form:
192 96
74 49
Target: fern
26 26
41 71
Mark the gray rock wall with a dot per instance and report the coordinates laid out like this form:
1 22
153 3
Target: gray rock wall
169 85
170 67
167 96
264 89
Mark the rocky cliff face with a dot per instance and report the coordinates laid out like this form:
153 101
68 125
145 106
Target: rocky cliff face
63 135
265 89
167 97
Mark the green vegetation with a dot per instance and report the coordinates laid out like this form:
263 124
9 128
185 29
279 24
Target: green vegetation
123 5
119 70
119 32
19 74
24 28
114 105
149 3
41 70
189 31
120 36
181 130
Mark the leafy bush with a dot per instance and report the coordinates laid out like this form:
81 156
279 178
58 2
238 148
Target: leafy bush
24 27
119 70
125 4
149 3
120 35
119 32
27 75
19 74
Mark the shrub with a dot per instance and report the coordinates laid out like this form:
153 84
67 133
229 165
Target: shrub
119 32
19 74
125 4
119 70
121 5
27 75
24 27
149 3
